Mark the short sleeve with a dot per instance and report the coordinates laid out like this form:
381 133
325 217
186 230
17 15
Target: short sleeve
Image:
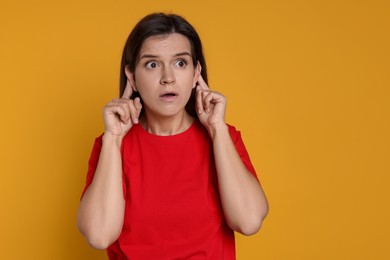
93 161
92 165
241 150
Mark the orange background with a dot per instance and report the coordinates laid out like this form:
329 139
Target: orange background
307 83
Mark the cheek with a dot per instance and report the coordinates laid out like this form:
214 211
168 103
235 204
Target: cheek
143 81
188 78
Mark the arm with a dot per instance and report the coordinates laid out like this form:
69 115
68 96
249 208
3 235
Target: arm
101 212
243 200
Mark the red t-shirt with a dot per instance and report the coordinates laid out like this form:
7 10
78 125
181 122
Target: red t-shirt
173 209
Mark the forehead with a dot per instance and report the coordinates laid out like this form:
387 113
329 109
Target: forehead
165 45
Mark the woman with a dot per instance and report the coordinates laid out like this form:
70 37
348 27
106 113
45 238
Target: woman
168 179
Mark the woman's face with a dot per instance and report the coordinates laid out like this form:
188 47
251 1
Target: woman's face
164 74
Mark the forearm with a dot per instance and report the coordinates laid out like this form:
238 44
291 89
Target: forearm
101 211
243 200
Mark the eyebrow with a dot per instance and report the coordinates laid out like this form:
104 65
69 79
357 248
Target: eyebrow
148 56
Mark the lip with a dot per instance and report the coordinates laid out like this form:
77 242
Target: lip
169 96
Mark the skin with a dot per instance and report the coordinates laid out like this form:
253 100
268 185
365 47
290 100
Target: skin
165 66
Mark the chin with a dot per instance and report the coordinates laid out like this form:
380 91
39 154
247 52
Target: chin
167 113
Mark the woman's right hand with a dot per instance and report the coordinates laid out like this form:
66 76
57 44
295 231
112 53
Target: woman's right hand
121 114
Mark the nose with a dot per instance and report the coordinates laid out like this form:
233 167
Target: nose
167 77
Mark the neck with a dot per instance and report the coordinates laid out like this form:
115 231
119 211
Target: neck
165 126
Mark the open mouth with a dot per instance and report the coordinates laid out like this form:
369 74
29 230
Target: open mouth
169 94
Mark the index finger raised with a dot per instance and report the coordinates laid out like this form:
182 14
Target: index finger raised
128 91
202 84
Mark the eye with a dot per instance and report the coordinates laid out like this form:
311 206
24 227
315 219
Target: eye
151 65
181 63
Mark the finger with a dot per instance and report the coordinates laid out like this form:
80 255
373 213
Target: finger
123 107
118 109
128 90
202 84
207 97
199 101
135 110
137 104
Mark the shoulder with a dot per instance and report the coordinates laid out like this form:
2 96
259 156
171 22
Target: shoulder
234 133
134 132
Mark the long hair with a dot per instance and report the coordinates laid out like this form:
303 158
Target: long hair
161 24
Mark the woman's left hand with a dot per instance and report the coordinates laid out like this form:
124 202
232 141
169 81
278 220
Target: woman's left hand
210 106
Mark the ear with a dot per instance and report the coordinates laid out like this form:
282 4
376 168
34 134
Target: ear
198 70
130 78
